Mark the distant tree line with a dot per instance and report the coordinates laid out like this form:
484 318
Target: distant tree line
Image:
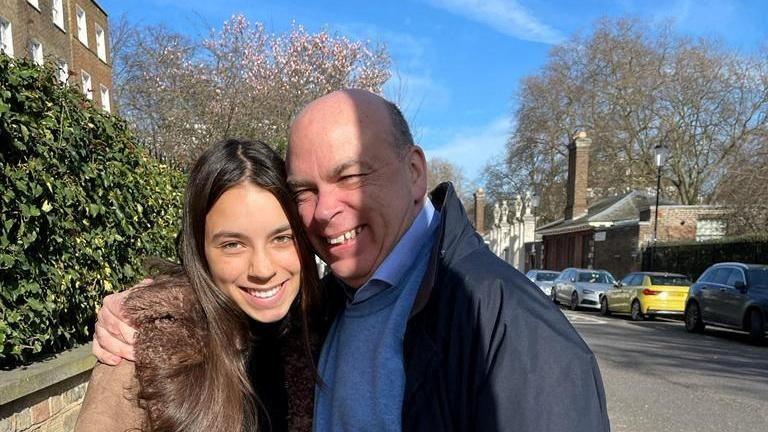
633 86
180 94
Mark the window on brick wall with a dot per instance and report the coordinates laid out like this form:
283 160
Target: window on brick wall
101 45
57 10
87 85
105 99
63 70
82 30
6 37
709 229
34 3
36 51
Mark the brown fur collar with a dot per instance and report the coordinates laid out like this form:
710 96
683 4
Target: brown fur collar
172 330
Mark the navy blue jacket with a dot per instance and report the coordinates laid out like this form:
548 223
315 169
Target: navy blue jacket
485 350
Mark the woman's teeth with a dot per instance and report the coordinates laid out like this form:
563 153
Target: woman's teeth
344 237
262 294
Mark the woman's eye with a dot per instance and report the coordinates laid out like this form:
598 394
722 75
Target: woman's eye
283 239
230 246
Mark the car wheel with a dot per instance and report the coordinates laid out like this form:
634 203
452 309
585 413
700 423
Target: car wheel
756 326
604 306
553 294
636 313
574 301
693 321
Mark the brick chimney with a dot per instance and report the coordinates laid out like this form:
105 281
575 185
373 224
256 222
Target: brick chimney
578 175
480 211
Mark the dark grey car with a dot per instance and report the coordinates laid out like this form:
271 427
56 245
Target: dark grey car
732 295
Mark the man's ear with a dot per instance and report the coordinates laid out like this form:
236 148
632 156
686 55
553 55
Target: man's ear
417 169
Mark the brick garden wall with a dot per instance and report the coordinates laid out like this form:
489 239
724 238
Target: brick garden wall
45 396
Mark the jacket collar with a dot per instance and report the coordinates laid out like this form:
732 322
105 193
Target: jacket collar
456 239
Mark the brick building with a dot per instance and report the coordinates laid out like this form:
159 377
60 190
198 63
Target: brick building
73 34
610 233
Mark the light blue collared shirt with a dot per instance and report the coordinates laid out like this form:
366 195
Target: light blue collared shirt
391 270
362 365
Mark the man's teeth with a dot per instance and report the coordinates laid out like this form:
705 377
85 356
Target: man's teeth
264 294
345 236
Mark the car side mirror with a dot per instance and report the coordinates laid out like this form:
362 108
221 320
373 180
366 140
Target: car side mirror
573 279
740 285
617 284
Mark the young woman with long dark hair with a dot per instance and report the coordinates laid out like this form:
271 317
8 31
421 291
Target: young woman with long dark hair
223 340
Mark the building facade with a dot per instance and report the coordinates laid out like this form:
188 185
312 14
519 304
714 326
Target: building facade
71 34
610 233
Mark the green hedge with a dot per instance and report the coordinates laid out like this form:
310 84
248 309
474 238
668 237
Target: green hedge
692 258
82 206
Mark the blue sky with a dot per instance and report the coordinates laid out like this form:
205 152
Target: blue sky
457 63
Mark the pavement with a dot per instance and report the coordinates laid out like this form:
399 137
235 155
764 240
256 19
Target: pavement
658 377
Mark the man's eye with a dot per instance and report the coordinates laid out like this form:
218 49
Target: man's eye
351 178
302 195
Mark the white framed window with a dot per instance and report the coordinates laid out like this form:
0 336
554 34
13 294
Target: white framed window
63 69
34 3
6 37
36 51
101 45
57 9
87 85
105 99
82 28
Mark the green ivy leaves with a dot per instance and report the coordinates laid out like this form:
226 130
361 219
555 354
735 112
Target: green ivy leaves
81 206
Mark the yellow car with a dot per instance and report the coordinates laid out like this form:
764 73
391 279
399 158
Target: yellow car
647 294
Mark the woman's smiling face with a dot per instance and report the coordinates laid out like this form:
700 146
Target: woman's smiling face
251 253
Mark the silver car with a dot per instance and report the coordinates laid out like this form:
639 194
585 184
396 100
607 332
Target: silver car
543 279
581 287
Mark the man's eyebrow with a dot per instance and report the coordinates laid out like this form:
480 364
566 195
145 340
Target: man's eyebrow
350 164
294 184
337 171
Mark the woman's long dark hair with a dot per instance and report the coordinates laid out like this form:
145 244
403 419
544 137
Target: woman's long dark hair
220 398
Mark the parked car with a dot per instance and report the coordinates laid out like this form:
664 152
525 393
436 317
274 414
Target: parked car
647 294
543 279
581 287
733 295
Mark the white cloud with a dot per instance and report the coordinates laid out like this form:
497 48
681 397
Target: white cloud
471 148
505 16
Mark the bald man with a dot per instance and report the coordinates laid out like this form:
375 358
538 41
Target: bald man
436 332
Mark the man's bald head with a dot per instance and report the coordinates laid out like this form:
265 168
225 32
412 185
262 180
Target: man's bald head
370 108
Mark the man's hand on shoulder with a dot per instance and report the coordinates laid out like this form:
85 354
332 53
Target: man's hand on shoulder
113 335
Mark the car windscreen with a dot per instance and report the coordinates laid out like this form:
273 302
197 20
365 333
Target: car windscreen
758 277
546 276
669 280
595 277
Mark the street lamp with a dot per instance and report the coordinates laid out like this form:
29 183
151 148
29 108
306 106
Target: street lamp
660 153
535 200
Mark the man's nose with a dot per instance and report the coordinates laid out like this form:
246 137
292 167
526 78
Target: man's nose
328 204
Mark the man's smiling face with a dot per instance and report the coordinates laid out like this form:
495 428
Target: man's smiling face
355 193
